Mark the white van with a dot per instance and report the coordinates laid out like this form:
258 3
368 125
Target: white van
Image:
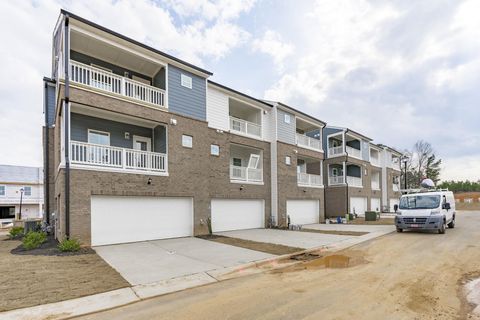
432 210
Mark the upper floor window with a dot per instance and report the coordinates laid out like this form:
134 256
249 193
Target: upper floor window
288 160
187 141
214 150
99 137
237 162
27 191
186 81
287 118
2 191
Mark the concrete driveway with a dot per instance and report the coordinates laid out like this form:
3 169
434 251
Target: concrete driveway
350 227
152 261
305 240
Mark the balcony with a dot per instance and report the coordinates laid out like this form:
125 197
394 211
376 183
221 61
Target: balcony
246 174
305 141
245 127
309 180
96 155
356 153
335 151
354 181
336 180
375 161
375 185
109 82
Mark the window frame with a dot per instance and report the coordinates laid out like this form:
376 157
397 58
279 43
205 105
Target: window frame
25 191
100 132
186 81
4 190
217 153
287 116
236 165
288 160
190 145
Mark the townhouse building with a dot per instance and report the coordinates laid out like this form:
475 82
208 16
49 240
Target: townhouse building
391 173
21 193
140 145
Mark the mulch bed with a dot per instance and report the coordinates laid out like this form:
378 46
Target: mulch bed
49 248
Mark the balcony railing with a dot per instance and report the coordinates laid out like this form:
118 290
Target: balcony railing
114 157
334 180
303 140
307 179
354 152
375 161
245 127
110 82
246 174
354 181
395 187
334 151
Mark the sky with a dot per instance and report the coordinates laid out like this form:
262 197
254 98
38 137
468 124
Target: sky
395 70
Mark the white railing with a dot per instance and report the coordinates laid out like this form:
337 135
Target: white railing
114 157
354 152
354 181
246 174
303 140
307 179
395 187
245 127
375 185
110 82
335 180
335 151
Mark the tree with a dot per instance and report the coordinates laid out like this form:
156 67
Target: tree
432 168
422 163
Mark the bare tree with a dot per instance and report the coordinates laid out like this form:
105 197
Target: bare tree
421 163
422 150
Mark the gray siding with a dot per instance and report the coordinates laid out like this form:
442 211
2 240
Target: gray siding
326 133
50 107
185 101
160 143
81 123
285 131
365 151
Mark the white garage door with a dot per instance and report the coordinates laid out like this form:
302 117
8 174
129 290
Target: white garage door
393 202
116 219
375 205
358 205
229 214
303 211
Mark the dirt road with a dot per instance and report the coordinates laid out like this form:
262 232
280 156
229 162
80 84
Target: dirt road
398 276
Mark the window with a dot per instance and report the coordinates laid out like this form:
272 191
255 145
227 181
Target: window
214 150
335 172
186 81
187 141
287 118
237 162
99 137
288 160
420 202
2 191
254 161
27 191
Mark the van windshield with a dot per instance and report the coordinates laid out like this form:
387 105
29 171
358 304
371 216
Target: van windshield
420 202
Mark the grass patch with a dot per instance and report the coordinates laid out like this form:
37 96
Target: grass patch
276 249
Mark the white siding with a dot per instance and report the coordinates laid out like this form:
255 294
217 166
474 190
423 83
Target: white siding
217 109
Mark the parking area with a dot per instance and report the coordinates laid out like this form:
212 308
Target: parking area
152 261
305 240
350 227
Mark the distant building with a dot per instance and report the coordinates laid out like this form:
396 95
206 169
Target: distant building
14 180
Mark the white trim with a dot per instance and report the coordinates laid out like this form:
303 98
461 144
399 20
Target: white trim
191 140
98 131
256 157
246 182
186 81
142 139
117 170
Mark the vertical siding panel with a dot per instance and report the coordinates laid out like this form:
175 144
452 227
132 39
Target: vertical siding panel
217 109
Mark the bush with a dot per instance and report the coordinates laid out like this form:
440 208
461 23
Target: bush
69 245
33 240
15 232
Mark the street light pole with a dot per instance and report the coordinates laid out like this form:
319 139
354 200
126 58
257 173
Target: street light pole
405 177
20 210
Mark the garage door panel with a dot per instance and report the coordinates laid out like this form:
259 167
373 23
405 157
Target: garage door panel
375 205
237 214
358 205
303 211
130 219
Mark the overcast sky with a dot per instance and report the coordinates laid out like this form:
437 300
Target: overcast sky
397 71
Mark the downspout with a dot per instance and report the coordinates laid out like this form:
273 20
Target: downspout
67 128
322 132
345 173
46 162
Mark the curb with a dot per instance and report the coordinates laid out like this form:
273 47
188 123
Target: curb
112 299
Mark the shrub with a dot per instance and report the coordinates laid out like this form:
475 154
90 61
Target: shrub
15 232
33 240
69 245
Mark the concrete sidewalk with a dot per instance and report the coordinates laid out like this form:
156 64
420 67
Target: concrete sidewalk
350 227
108 300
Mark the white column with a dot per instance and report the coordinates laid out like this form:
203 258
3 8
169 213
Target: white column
344 144
344 172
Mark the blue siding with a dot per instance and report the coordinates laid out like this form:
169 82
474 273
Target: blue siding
285 131
81 123
50 107
326 133
182 100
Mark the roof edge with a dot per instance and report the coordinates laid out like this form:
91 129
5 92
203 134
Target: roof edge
238 92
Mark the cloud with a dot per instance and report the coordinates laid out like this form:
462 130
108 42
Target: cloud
271 43
26 29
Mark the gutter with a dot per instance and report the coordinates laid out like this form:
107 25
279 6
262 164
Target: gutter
67 126
46 162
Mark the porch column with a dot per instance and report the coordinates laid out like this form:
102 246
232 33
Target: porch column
344 172
344 145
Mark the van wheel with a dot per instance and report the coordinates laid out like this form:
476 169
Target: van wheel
451 225
399 230
441 230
